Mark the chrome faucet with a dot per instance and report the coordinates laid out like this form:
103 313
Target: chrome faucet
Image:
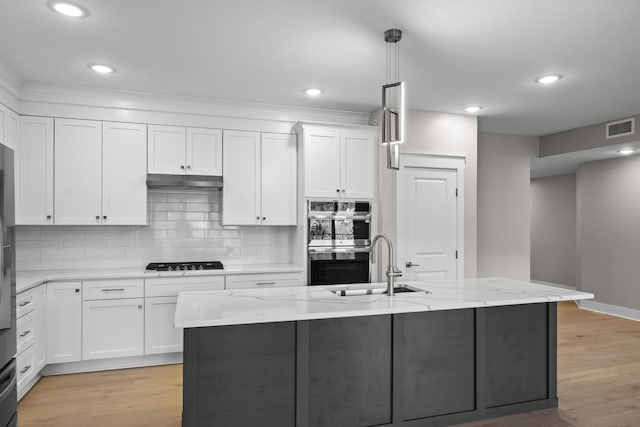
392 270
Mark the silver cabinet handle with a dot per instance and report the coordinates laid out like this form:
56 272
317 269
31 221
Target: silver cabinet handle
410 264
23 304
24 334
113 290
25 369
265 283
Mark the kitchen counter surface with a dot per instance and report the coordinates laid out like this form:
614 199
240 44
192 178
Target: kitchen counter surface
28 279
247 306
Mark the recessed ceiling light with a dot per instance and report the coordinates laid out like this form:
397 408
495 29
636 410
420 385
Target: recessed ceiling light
473 108
313 92
548 79
102 69
68 9
626 151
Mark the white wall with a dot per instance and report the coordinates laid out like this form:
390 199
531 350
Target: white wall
435 134
608 230
504 204
553 229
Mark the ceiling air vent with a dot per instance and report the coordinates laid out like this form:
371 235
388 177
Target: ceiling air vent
621 128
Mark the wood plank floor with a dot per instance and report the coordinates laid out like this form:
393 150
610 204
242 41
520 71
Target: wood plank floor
598 385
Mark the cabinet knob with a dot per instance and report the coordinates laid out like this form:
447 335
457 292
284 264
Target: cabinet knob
139 306
77 290
337 190
188 166
182 167
343 190
97 217
258 218
264 218
104 217
48 216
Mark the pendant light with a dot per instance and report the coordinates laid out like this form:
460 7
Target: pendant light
393 110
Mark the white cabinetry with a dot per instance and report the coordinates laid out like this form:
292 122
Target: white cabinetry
30 330
339 162
112 318
260 179
178 151
64 322
124 173
34 171
79 180
160 308
241 281
11 129
3 115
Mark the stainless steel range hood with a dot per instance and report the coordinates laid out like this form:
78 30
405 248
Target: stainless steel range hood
182 182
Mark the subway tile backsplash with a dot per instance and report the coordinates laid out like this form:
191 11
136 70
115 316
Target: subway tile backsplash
183 226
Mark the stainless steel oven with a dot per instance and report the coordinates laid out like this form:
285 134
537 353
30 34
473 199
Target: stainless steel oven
338 242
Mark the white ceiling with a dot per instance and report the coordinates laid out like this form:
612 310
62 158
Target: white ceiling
453 53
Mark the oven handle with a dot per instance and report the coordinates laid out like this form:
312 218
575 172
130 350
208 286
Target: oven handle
339 216
364 249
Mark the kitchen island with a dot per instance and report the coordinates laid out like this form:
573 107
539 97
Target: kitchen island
453 351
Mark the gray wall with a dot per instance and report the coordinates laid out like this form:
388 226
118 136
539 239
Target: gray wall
608 230
435 134
504 204
553 229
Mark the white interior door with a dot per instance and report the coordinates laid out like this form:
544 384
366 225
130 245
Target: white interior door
428 222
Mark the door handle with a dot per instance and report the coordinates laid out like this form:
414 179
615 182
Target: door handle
410 264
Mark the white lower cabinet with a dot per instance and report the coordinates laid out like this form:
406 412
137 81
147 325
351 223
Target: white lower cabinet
30 330
64 322
160 336
112 328
240 281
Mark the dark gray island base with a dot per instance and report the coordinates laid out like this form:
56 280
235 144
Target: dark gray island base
431 368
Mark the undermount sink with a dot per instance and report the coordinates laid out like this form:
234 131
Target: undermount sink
397 289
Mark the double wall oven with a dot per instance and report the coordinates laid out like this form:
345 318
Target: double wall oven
338 242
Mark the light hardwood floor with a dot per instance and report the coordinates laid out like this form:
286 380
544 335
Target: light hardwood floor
598 385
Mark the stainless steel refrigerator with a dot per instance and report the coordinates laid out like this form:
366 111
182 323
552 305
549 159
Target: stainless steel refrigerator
8 391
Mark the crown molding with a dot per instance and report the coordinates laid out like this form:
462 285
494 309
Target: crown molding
50 99
10 86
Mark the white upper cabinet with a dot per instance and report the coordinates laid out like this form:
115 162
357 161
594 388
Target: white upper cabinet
124 173
177 151
34 171
78 172
259 179
339 162
3 115
279 179
204 151
11 126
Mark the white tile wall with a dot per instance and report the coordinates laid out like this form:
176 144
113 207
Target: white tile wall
183 226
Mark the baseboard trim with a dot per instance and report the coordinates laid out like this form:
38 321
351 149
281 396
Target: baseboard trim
108 364
612 310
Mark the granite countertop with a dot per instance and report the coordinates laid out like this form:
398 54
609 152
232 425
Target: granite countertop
28 279
246 306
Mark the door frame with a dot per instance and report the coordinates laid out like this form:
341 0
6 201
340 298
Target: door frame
427 161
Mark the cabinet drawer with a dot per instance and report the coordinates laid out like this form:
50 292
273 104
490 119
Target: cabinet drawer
25 303
170 286
240 281
112 289
25 331
26 366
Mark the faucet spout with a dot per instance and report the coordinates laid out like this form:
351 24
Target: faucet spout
392 270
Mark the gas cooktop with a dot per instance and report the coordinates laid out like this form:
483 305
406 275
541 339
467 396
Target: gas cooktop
184 266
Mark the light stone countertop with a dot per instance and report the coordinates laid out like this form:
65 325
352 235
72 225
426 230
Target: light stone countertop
28 279
247 306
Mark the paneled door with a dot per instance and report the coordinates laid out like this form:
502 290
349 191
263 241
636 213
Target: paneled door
428 219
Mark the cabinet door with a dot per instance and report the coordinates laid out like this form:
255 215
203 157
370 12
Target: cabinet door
3 115
34 171
241 164
112 328
321 163
40 351
278 178
358 165
204 151
64 322
160 336
124 174
78 172
167 150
